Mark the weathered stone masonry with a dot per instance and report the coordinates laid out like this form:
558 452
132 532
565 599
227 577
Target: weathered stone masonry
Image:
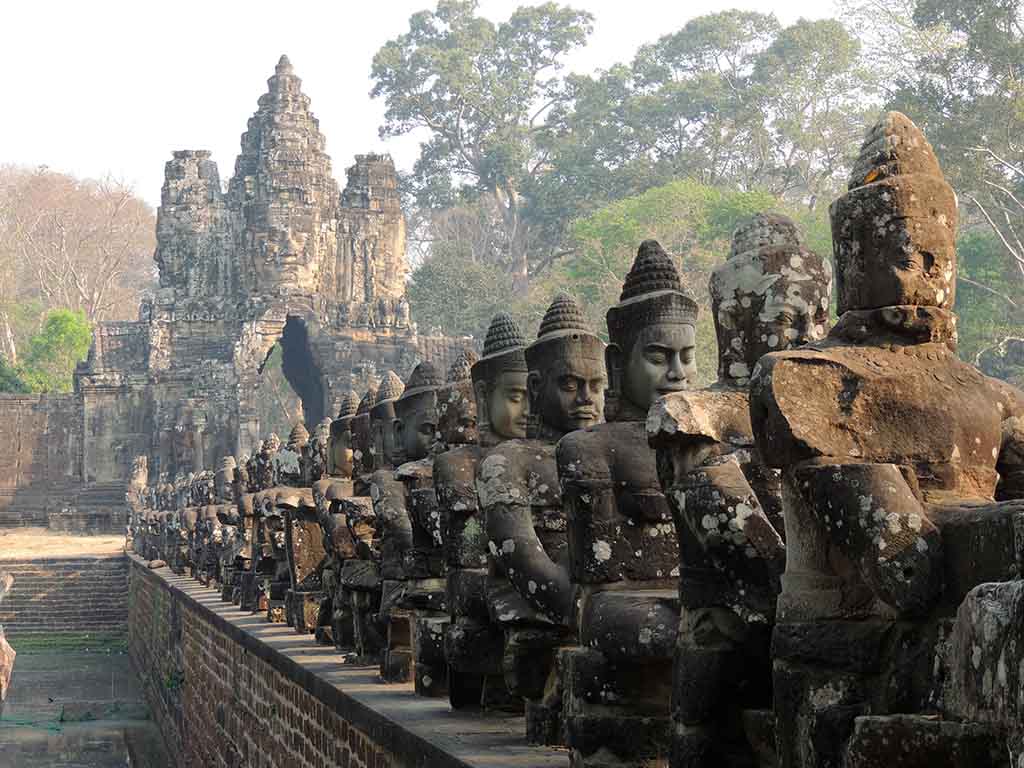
225 696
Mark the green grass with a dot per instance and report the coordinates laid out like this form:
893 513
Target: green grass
98 642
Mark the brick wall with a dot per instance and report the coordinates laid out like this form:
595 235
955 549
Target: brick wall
229 689
221 701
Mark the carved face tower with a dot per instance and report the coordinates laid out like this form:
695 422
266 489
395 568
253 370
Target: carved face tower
289 196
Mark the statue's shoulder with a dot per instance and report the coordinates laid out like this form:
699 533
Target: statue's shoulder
384 484
457 465
720 413
591 452
511 465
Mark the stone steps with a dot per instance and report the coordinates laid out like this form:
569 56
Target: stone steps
56 595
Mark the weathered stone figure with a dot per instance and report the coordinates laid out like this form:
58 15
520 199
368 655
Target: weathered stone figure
518 490
495 408
891 450
335 484
771 293
393 530
624 557
362 438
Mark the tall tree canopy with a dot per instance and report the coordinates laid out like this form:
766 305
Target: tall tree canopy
68 243
482 91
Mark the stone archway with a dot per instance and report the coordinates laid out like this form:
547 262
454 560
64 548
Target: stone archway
279 367
301 369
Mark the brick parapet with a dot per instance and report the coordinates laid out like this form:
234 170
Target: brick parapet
229 690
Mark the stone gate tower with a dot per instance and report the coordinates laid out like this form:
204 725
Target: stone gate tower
281 256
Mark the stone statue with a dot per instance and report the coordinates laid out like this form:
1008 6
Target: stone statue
423 590
314 456
362 437
519 494
770 294
624 556
890 450
335 484
393 529
360 579
474 644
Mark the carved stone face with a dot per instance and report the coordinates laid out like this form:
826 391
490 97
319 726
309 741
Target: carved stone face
507 405
661 360
287 260
416 425
382 429
456 414
767 300
894 232
570 392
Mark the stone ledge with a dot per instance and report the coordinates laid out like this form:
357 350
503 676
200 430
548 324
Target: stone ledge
418 732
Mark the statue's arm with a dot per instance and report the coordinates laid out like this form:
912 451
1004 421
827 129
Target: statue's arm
874 518
513 542
719 509
390 511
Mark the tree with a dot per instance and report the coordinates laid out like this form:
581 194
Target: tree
78 244
457 294
482 92
53 352
731 99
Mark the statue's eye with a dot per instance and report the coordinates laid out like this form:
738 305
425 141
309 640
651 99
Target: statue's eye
656 356
568 384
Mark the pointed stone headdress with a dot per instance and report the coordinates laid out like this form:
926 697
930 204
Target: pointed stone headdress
424 378
369 398
390 389
504 350
349 405
652 293
461 369
298 437
563 331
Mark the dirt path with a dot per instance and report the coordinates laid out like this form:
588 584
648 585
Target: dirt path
19 543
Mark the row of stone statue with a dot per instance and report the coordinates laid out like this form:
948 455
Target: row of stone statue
814 562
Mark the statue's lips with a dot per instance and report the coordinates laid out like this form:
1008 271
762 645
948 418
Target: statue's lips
668 390
583 415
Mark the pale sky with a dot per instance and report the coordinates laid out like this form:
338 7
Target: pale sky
93 87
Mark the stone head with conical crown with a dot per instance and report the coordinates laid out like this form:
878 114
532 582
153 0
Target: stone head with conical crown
652 332
567 376
499 383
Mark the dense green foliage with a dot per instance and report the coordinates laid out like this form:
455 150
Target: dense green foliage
48 364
